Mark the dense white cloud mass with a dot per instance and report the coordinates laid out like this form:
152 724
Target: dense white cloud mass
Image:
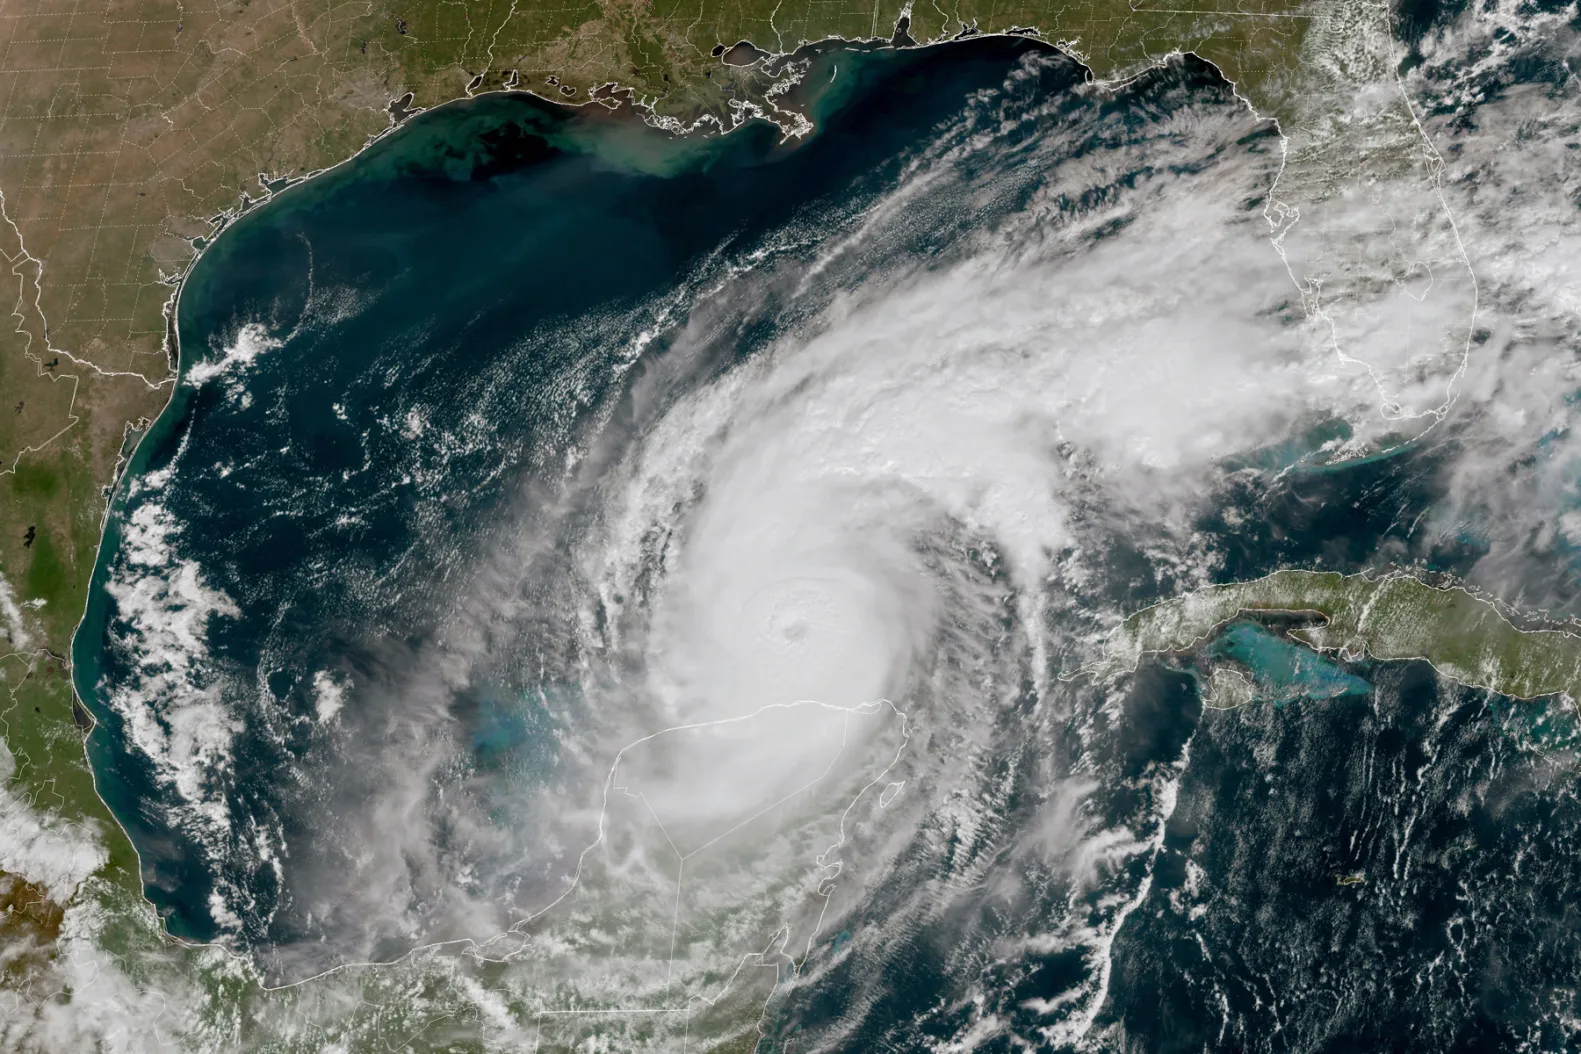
1513 482
172 707
39 848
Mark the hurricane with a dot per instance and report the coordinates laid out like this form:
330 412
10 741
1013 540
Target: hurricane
684 602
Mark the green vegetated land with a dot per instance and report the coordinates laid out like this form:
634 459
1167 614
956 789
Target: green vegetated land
1466 637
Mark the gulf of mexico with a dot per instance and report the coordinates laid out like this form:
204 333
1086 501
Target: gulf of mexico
372 365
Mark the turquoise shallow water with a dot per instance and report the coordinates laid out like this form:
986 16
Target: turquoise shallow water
1283 670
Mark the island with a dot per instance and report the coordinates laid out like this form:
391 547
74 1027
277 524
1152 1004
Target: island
1392 616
